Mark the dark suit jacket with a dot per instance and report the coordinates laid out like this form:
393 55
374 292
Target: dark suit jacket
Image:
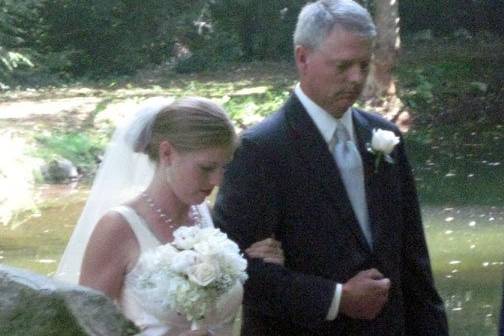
283 180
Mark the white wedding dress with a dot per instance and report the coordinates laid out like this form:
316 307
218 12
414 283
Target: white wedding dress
123 174
173 324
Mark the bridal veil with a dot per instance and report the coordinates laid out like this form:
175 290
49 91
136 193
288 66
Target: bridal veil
122 174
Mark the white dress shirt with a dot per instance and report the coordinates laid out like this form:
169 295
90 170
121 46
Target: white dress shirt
326 123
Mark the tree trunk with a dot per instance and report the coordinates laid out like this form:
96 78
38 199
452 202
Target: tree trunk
380 90
381 82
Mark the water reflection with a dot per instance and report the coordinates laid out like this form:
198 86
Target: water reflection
37 239
467 256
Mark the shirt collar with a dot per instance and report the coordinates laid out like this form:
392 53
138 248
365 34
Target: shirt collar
325 122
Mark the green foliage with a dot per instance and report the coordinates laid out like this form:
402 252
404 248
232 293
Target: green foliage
421 93
212 52
9 61
263 28
94 39
446 16
80 148
12 60
89 34
448 81
12 54
98 38
247 109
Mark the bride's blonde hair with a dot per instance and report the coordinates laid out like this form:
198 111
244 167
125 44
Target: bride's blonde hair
190 123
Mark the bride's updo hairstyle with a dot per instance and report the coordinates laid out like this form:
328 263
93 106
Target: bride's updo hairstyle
189 124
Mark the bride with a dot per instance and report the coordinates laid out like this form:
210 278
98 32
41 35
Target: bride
158 169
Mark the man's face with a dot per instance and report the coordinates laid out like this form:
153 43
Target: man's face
334 75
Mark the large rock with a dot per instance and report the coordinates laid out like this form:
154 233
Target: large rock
59 171
34 305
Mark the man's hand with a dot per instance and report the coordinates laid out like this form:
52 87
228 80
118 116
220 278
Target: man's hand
364 295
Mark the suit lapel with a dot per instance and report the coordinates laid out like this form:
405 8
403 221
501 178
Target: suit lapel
314 152
364 133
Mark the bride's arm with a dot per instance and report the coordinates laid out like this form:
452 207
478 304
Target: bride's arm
107 255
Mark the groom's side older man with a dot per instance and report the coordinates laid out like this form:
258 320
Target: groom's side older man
343 204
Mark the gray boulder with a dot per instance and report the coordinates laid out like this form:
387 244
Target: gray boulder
34 305
59 171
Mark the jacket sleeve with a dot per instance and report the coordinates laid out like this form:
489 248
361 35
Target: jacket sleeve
425 313
248 208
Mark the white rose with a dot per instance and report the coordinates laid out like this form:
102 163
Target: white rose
210 247
384 141
234 262
212 241
211 234
152 258
230 247
206 247
185 237
184 260
202 274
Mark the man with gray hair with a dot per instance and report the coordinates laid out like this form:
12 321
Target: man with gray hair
333 184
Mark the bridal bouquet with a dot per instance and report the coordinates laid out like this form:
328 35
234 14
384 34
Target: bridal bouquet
191 274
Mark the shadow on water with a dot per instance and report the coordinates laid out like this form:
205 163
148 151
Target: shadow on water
465 245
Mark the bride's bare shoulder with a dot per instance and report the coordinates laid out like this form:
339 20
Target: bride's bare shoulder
114 239
114 226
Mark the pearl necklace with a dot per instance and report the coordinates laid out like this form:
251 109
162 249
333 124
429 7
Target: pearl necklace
195 215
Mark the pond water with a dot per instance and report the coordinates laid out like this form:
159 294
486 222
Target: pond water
466 246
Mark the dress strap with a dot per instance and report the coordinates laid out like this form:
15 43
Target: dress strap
145 237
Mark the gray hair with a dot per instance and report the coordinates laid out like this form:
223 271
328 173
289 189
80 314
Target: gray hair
317 20
189 124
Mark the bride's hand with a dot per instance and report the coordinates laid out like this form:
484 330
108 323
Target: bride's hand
269 249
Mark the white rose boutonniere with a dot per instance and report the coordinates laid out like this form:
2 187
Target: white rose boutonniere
382 144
